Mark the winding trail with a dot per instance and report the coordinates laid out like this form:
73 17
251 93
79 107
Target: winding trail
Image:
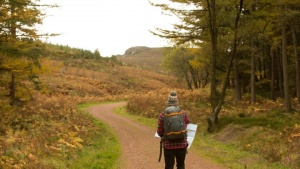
140 149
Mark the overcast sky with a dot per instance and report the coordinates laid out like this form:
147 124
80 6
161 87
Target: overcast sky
111 26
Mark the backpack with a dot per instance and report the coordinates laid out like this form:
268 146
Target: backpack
174 125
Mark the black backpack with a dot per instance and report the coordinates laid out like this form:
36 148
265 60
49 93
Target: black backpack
174 125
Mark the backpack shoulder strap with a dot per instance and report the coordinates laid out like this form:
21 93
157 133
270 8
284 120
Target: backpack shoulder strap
173 113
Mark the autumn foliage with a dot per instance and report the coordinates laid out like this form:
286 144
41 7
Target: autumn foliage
240 123
45 123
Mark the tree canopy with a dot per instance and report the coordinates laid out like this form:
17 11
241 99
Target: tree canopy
20 47
245 43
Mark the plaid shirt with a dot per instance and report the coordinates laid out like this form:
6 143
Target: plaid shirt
174 144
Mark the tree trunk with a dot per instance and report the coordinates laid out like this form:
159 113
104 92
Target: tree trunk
188 81
279 73
265 69
269 63
213 120
273 73
237 83
287 99
259 68
12 89
205 79
253 65
294 35
194 76
214 43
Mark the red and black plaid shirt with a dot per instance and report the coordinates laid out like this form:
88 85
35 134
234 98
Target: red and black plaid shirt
174 144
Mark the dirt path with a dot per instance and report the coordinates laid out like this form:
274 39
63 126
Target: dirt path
140 149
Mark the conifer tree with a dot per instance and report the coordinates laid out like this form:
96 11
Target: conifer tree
19 39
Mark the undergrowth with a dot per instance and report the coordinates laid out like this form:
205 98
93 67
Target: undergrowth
51 132
261 129
102 152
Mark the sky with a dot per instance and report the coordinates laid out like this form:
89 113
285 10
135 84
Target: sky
111 26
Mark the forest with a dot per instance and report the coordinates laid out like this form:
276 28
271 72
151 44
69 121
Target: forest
248 45
234 64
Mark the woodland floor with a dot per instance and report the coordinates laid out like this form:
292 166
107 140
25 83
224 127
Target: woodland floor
140 149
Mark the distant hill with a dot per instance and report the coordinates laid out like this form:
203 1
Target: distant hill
142 56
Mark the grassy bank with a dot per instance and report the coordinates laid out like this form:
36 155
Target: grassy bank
228 154
102 150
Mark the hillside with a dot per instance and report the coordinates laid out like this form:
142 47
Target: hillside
110 76
45 126
146 57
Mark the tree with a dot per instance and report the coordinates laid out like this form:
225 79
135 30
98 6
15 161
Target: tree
19 38
201 24
295 44
286 11
177 60
187 64
97 54
247 36
286 86
294 22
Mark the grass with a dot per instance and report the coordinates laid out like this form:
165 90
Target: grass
276 124
102 152
229 155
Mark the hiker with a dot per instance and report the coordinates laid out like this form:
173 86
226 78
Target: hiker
173 148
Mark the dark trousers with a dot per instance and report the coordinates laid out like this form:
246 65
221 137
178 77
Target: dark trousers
171 155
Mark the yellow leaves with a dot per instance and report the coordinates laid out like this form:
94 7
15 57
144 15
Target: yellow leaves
66 143
296 126
76 141
71 140
55 148
6 158
196 64
295 135
10 140
296 131
9 132
17 65
73 143
57 105
48 66
76 128
6 161
10 137
32 157
78 145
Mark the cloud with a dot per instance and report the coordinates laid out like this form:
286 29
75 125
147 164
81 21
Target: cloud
110 26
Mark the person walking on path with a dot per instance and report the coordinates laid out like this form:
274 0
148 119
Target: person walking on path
174 148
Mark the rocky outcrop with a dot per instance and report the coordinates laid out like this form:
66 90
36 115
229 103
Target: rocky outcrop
135 50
